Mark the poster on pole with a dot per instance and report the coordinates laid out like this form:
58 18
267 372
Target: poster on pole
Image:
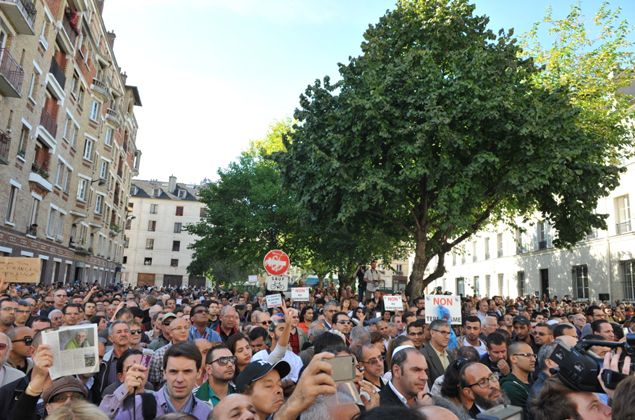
443 307
393 303
274 301
278 283
20 269
300 294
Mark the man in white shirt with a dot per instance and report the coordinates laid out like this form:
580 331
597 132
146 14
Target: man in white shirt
371 277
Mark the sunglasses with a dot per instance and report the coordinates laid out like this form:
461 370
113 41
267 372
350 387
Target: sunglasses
135 332
27 340
61 398
224 361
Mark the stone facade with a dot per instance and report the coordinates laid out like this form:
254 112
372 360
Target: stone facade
67 139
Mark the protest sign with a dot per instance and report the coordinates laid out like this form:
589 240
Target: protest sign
273 301
74 348
393 303
20 269
443 307
252 278
300 294
278 283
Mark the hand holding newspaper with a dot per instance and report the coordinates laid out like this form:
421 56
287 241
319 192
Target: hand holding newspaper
75 350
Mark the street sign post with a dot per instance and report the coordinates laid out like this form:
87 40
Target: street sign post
276 262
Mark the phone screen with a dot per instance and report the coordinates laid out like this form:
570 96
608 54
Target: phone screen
343 368
145 360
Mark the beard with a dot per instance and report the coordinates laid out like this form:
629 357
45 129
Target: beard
489 403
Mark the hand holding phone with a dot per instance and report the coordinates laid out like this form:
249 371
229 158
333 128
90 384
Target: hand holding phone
343 368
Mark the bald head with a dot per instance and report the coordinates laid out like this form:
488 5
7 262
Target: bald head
234 406
437 413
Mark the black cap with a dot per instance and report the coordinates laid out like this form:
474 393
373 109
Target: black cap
258 369
521 320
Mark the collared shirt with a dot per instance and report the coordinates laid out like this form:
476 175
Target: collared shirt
155 374
208 334
206 393
443 357
222 334
398 394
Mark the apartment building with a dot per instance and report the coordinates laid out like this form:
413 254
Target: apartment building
67 139
520 262
157 246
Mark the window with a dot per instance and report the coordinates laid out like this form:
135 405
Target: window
156 192
501 278
88 150
46 24
474 258
454 258
177 227
174 262
108 136
182 193
487 284
99 203
70 131
62 176
80 98
13 198
35 207
541 233
628 274
477 286
152 225
125 259
622 215
499 245
153 208
82 189
147 261
520 278
520 247
149 243
95 106
103 169
75 85
24 141
486 248
54 228
203 212
176 246
179 210
34 84
580 275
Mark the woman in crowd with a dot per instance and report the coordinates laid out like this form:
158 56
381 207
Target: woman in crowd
239 345
306 318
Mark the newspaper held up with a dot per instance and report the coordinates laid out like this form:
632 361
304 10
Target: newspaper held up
75 350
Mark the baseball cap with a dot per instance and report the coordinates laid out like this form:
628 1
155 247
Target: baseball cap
256 370
521 320
168 315
64 384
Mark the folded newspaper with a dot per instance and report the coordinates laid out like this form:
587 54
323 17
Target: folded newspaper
74 348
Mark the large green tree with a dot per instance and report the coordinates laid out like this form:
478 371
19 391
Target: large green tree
440 127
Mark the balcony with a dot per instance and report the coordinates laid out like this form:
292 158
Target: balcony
71 29
41 168
58 72
5 143
11 74
100 87
112 115
48 122
21 15
623 227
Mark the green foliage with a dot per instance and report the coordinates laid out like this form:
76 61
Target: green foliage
439 128
273 142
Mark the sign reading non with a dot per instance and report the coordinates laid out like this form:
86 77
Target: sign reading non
276 262
278 283
273 301
393 303
443 307
20 269
300 294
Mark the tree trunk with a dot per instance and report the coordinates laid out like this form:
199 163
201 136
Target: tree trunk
415 284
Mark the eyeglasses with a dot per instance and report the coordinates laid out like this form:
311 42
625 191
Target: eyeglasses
22 311
540 333
199 312
344 322
225 360
374 360
265 322
484 383
135 332
528 355
61 398
27 340
3 346
48 302
442 332
8 309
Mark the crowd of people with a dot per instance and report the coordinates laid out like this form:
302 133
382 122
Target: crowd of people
213 354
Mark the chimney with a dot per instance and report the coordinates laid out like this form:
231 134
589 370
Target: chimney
100 6
110 36
172 184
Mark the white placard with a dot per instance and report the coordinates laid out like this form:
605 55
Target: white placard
393 303
300 294
273 301
278 283
443 307
252 278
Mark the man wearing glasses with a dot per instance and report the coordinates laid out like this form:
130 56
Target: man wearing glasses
435 352
21 351
23 313
164 326
479 388
220 365
342 323
516 385
179 331
372 361
199 316
7 314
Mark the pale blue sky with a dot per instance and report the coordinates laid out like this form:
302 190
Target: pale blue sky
214 74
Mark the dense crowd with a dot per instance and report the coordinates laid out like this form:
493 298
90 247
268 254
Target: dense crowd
213 354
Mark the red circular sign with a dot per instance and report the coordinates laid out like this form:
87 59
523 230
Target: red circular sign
276 262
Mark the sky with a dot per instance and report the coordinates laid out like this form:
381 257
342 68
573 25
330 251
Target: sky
215 74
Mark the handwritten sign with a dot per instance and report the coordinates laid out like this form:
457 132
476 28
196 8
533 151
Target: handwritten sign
252 278
443 307
273 301
393 303
300 294
20 269
278 283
